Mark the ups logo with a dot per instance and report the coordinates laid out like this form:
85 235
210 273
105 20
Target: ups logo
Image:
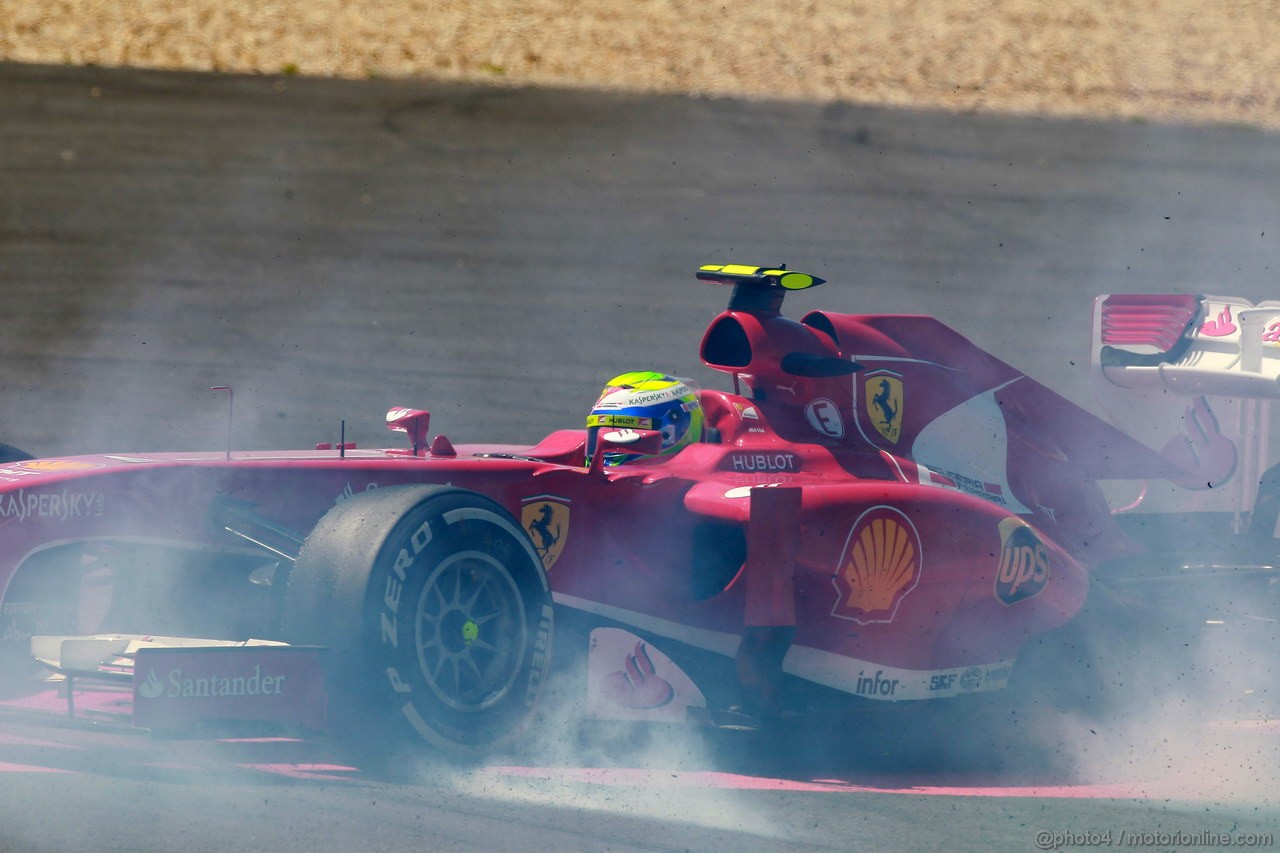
1024 562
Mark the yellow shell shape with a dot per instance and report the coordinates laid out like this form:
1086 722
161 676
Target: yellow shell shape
881 563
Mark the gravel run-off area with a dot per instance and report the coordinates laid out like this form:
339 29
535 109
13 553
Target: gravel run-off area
1163 60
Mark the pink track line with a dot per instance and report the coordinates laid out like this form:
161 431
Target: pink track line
333 772
712 779
8 767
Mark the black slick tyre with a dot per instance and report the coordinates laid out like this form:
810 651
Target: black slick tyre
437 615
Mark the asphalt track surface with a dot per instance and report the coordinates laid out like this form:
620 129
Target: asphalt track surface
331 249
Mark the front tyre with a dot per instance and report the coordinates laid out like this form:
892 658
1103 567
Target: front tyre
437 614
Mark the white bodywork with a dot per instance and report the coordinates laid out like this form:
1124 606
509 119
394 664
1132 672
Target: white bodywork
1194 379
112 655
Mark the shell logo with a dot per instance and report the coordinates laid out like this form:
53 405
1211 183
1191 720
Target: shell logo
57 465
879 566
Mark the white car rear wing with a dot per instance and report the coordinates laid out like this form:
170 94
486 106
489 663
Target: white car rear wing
1193 377
1209 345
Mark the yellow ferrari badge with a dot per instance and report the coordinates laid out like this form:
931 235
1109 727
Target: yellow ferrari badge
883 392
546 519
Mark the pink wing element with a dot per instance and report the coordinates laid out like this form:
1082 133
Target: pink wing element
1204 451
638 685
1130 319
1220 327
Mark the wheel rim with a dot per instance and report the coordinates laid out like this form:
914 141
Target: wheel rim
470 629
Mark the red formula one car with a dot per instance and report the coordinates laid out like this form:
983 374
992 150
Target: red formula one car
878 512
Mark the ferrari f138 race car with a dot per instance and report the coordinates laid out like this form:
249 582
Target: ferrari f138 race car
878 512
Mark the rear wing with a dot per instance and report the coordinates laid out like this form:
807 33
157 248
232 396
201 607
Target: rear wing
1193 377
1207 345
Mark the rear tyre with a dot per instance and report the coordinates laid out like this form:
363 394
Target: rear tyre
437 615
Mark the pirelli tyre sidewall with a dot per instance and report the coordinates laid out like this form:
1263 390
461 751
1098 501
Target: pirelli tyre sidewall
446 608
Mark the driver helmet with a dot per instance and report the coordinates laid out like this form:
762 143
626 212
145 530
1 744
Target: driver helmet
646 400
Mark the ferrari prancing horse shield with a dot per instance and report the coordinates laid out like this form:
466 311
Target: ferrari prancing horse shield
546 519
883 392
